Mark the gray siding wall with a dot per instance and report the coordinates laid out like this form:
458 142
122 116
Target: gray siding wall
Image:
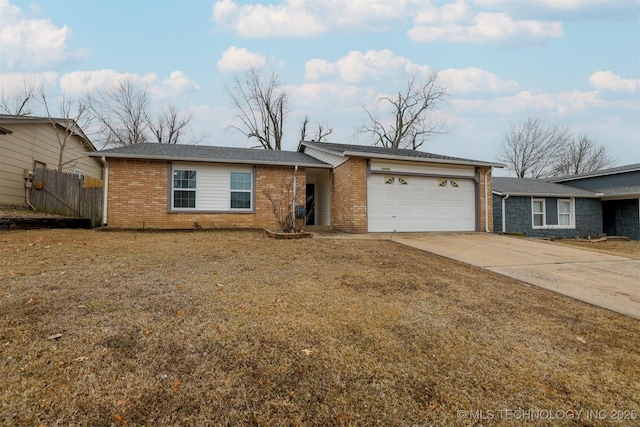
622 218
518 218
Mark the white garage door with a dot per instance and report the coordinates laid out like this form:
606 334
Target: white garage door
411 203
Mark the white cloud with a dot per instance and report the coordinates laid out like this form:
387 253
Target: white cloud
308 18
177 83
11 82
28 43
238 59
606 80
82 82
532 103
472 79
359 66
324 95
377 65
560 5
262 21
483 27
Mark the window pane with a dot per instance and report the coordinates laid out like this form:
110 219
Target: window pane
537 220
241 180
184 199
240 200
537 206
184 179
564 207
564 219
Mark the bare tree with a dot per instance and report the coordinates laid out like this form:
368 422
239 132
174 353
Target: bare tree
170 126
121 113
262 107
321 131
531 148
582 155
19 103
411 121
71 114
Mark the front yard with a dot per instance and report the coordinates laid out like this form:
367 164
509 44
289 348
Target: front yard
230 328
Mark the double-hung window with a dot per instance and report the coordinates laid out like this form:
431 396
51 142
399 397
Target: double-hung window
241 190
537 210
184 189
564 213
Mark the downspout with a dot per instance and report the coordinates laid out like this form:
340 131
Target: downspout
486 200
105 192
504 214
293 207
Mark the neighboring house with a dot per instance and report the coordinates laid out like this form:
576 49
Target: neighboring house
590 204
28 142
351 188
538 208
619 190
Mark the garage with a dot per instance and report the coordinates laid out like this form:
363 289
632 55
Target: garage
403 202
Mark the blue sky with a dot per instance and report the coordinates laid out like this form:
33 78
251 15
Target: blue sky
568 62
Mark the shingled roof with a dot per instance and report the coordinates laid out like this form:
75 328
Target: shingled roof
537 187
351 150
212 154
603 172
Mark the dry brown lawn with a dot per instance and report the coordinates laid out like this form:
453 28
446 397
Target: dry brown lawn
628 248
231 328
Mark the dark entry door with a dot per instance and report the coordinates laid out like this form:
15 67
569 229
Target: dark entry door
609 218
310 207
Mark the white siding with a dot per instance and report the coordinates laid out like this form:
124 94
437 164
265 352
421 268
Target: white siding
322 197
213 184
332 159
387 166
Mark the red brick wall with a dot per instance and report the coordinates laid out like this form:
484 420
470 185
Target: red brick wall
138 197
349 196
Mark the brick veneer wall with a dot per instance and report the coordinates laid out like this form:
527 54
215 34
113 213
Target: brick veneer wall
349 196
486 220
138 197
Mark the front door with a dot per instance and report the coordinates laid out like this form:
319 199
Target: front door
310 207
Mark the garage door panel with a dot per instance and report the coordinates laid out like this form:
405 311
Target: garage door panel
420 205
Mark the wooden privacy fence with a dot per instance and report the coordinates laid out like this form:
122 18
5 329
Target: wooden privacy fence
67 194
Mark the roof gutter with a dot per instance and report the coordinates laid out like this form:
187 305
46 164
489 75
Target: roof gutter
207 160
420 159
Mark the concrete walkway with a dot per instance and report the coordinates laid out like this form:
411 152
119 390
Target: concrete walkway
607 281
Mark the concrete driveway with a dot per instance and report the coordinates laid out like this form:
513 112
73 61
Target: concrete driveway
604 280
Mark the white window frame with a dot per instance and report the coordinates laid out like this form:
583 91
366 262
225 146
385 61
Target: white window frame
534 213
242 190
174 189
570 214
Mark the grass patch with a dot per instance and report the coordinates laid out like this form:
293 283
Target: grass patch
231 328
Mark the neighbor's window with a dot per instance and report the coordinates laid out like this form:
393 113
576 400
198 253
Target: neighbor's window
454 184
241 190
184 189
403 181
389 180
442 183
538 212
564 212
